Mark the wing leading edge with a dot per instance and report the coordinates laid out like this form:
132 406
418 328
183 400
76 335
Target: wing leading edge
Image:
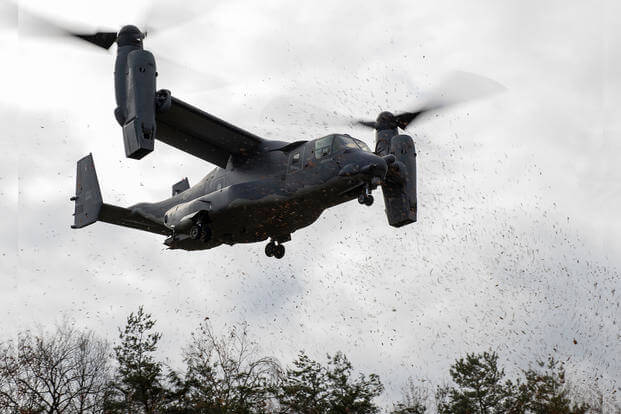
203 135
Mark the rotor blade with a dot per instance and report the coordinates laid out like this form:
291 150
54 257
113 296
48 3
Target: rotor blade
182 78
458 87
404 119
155 19
159 16
34 25
104 40
369 124
286 110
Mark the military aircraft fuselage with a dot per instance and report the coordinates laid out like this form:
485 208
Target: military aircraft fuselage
278 190
261 189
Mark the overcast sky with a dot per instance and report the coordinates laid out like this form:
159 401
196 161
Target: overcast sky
518 239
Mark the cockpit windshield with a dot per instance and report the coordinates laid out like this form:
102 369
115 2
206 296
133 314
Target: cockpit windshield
344 142
326 145
362 145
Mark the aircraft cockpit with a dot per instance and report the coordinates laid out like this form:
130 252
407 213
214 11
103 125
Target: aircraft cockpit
336 142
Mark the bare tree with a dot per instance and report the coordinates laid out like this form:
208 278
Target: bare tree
9 368
65 372
415 398
224 375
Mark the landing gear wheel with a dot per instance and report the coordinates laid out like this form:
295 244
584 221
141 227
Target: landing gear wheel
205 234
195 232
270 249
366 199
279 251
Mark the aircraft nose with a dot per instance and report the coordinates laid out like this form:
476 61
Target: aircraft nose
375 166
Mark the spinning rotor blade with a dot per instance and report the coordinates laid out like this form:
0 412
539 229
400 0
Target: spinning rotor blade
153 19
181 76
287 111
102 39
458 88
33 25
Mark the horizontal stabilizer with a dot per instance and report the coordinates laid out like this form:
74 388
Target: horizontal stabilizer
90 208
127 217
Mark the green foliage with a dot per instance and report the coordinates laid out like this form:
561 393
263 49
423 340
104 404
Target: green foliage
138 384
544 391
479 386
404 408
69 372
311 388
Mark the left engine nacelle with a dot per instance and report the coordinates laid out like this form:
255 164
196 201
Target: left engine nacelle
139 125
134 84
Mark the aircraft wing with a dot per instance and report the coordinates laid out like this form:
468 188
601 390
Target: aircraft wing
203 135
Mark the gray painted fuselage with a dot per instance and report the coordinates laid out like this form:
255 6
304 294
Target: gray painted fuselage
269 195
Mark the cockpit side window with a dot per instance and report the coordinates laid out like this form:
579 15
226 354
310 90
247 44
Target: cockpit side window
323 146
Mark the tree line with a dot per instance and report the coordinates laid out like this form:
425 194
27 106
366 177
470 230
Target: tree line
74 371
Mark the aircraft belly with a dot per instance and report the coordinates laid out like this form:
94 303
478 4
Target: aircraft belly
252 212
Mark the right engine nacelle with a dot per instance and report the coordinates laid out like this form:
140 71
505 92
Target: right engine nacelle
399 189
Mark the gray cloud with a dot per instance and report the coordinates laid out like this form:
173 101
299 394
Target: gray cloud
517 234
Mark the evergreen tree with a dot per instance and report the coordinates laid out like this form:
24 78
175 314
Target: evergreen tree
310 388
138 384
545 391
304 388
479 388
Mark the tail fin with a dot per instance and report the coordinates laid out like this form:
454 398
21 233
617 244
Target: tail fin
87 198
89 207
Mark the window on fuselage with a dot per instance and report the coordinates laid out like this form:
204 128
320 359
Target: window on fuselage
296 161
323 146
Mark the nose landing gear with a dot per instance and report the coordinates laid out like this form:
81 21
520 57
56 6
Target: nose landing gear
365 197
276 250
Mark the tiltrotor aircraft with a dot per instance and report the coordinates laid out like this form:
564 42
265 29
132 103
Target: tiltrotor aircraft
261 189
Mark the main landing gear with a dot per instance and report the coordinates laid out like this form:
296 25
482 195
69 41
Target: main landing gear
365 197
200 231
276 250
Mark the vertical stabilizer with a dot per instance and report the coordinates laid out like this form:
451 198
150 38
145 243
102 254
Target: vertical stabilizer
87 198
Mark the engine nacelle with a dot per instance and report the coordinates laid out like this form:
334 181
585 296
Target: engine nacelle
134 84
139 126
399 189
